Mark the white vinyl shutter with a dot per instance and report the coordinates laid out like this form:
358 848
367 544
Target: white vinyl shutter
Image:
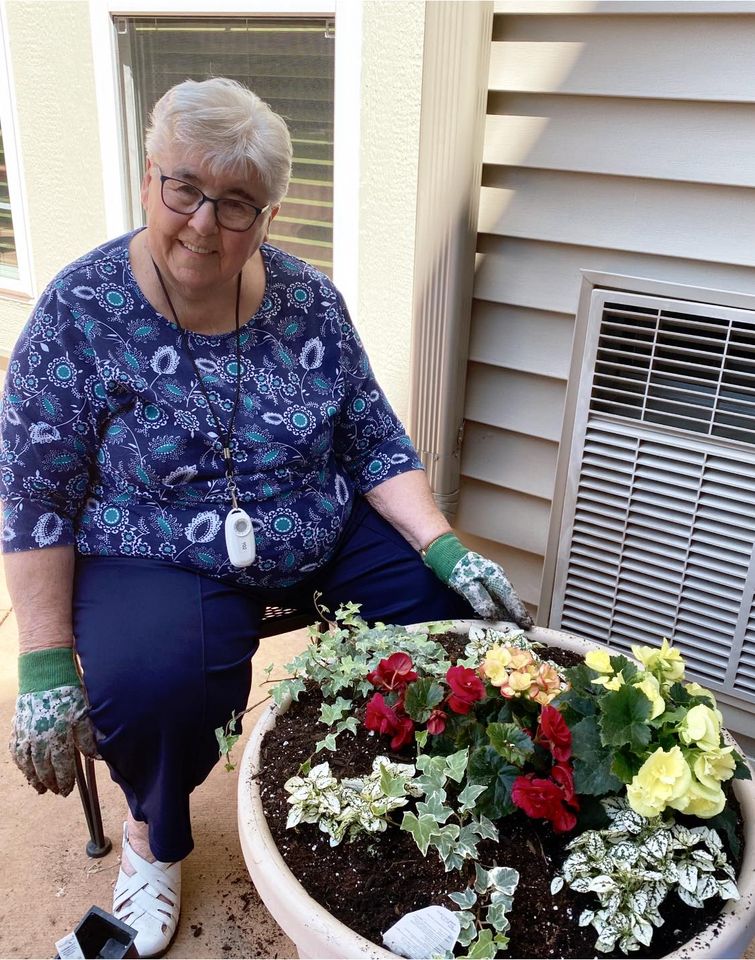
658 528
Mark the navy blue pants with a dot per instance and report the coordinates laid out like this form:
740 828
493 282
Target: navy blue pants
166 654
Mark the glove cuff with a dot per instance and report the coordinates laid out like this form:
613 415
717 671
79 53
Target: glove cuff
47 669
443 554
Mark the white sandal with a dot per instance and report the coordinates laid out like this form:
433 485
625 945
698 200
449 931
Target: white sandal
135 900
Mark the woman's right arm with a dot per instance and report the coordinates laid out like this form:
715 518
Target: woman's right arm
40 584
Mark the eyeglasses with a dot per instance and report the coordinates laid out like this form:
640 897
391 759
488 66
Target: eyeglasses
182 197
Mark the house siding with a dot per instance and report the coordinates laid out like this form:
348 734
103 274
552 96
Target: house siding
617 143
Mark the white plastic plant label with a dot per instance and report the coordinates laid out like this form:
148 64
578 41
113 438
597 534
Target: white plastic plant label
423 933
69 948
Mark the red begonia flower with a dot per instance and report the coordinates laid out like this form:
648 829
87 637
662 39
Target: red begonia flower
393 673
562 774
466 689
380 717
388 721
404 734
543 799
554 733
437 722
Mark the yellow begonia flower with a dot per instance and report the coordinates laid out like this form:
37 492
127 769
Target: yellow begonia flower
666 663
695 690
701 728
652 690
599 660
701 800
713 766
611 683
662 779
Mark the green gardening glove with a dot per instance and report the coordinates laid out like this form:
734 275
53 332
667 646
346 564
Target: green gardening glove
51 720
482 582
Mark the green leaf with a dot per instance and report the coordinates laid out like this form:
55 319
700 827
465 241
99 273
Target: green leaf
488 768
331 713
435 808
292 688
511 742
742 769
726 822
466 899
421 697
624 718
592 761
391 784
625 765
423 829
469 795
496 917
328 743
348 723
483 947
456 765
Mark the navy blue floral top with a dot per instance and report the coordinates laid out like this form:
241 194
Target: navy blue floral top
108 442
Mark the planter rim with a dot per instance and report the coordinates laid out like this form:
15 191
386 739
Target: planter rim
317 933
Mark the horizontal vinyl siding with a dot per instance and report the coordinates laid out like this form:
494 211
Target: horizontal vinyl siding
676 57
619 139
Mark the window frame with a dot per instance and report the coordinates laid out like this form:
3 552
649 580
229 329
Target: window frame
23 285
346 106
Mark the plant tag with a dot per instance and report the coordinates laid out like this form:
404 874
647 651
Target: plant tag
423 933
69 948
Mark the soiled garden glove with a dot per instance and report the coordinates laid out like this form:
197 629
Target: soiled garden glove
50 721
482 582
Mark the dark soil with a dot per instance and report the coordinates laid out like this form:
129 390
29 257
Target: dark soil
371 882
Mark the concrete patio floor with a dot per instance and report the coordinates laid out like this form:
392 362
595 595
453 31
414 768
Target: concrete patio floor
48 883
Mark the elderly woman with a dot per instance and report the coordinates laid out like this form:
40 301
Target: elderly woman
192 431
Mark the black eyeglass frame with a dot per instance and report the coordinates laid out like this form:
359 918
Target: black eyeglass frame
213 200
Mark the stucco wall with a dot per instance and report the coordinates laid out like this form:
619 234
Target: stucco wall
55 98
392 42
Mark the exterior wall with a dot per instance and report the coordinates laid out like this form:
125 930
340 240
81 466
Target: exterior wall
58 136
617 141
392 44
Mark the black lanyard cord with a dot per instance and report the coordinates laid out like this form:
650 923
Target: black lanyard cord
225 436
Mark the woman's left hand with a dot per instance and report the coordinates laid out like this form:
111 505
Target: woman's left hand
481 581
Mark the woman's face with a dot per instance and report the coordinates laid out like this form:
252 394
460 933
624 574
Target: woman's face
194 253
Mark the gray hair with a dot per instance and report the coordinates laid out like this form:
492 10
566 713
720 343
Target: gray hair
228 127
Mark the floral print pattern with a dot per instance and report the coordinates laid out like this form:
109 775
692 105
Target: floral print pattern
108 442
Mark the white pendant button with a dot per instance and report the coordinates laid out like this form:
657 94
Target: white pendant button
239 538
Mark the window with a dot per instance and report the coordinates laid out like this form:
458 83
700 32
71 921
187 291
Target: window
8 257
288 62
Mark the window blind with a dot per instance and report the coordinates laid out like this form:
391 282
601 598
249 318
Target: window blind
8 257
288 62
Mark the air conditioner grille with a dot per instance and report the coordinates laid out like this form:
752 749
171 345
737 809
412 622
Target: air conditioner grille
667 554
694 373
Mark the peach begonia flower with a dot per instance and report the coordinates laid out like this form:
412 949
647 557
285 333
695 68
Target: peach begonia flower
547 685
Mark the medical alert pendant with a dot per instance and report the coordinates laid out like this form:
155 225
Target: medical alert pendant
239 538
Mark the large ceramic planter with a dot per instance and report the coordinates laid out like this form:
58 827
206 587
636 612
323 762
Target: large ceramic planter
318 934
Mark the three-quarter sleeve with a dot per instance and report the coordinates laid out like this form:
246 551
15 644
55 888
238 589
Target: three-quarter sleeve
369 439
53 406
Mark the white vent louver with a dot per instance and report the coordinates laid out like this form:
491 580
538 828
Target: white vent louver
659 520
